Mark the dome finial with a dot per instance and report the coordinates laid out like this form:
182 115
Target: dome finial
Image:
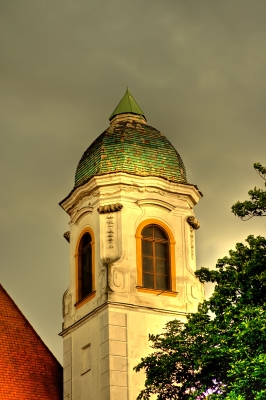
127 105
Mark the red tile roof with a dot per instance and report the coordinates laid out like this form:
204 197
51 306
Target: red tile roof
28 370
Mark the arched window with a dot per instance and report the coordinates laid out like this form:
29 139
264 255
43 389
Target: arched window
155 258
156 268
85 278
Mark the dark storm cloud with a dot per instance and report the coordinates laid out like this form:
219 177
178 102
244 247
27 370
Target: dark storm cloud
196 68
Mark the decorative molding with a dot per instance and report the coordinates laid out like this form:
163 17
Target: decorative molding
193 292
192 242
134 187
103 280
81 213
137 189
113 278
115 304
67 301
108 194
120 179
67 236
117 281
156 202
110 230
193 222
109 208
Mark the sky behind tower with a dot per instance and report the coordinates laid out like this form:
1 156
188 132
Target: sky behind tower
197 70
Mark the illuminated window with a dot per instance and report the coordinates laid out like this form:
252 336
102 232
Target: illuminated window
155 258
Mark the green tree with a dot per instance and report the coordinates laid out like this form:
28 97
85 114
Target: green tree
220 353
256 206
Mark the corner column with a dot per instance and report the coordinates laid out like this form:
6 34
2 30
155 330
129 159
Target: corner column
67 364
114 356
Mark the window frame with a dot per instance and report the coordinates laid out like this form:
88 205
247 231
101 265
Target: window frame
172 267
80 301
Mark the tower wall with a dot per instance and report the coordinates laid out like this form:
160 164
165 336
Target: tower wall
116 338
106 334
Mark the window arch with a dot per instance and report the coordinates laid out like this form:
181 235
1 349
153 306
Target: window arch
155 258
85 266
85 285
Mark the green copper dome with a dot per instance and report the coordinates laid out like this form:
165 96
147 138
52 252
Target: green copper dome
130 146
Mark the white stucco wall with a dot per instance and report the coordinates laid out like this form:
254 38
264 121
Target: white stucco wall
117 298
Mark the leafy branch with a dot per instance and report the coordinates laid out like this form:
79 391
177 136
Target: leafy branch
256 206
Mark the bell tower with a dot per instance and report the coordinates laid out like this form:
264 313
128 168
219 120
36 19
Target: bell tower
132 255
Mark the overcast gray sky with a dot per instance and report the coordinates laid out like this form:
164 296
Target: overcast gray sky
197 69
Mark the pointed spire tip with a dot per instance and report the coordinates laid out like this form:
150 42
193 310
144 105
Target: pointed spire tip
127 105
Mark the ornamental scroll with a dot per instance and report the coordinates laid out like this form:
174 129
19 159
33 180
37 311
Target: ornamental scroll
111 238
109 208
194 224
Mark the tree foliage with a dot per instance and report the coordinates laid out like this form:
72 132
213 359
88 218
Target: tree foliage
256 206
220 352
222 348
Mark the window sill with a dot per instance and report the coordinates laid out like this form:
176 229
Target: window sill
157 292
85 300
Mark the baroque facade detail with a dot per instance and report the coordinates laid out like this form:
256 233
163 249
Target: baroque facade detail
193 222
109 208
67 236
110 230
192 242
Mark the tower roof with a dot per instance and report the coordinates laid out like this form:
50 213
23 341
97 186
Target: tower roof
127 105
134 148
130 146
27 367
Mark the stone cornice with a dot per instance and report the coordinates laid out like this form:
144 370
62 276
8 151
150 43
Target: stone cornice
137 182
118 305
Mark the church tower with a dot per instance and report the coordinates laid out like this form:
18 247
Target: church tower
132 255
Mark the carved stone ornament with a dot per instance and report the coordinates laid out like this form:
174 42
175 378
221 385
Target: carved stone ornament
67 236
192 242
114 278
103 279
110 230
109 208
118 280
193 222
193 292
66 304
